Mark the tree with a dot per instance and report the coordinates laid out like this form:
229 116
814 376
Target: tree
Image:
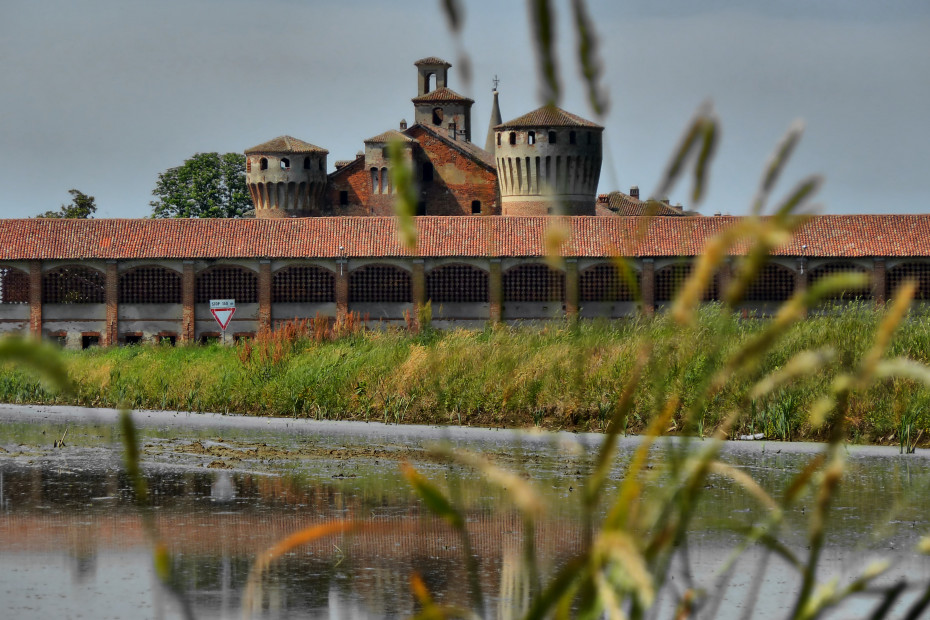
206 185
82 207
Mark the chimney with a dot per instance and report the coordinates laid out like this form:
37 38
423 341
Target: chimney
403 124
634 192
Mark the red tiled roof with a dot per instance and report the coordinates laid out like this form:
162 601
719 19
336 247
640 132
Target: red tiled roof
624 204
823 236
441 94
548 116
285 144
431 60
390 134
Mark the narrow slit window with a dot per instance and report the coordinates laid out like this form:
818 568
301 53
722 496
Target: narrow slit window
531 138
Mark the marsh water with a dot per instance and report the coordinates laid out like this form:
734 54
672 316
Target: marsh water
73 544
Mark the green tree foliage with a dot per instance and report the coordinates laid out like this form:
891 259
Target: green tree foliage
82 207
205 185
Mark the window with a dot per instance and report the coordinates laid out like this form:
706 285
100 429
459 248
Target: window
302 284
475 207
535 283
589 137
167 338
263 163
551 137
457 284
421 207
918 272
285 163
73 285
374 180
498 139
513 137
669 279
427 175
385 181
531 138
378 284
89 340
133 339
772 283
14 286
227 282
322 167
343 198
386 153
150 285
437 116
572 138
307 163
604 283
841 267
248 165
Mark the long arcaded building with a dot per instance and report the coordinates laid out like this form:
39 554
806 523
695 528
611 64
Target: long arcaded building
109 281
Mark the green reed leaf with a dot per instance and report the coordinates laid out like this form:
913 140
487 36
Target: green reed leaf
405 202
543 23
592 70
42 358
776 164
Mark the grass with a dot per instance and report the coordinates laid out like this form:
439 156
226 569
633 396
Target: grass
561 376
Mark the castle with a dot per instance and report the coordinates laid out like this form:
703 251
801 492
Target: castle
326 244
545 162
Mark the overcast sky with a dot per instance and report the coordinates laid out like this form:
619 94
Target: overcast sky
102 95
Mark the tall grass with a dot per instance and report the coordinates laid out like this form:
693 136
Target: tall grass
560 376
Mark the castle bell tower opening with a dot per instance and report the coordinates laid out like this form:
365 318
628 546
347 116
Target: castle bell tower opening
440 107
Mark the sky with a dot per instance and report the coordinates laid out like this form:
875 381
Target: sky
103 95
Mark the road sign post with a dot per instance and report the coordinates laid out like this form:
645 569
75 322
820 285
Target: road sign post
223 311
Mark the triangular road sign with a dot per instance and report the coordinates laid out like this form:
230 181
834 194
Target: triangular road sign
223 316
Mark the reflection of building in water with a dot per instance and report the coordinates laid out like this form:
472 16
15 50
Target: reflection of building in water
213 545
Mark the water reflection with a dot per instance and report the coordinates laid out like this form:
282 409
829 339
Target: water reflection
71 538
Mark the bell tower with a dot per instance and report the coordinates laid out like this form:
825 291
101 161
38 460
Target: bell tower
439 106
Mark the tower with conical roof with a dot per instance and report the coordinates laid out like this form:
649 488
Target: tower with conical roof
548 163
286 177
495 120
438 105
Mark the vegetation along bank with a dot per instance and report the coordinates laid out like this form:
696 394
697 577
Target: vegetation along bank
560 376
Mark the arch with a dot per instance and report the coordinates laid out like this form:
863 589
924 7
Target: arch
457 283
840 267
73 284
307 163
429 82
285 163
380 283
150 284
374 180
385 181
533 282
603 282
669 279
226 282
918 272
437 116
14 286
774 282
263 163
303 284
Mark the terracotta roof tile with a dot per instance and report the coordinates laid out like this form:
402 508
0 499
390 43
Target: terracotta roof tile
548 116
390 134
285 144
60 239
441 94
624 204
431 60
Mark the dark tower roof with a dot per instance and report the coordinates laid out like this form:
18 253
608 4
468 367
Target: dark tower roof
432 60
285 144
495 121
442 94
548 116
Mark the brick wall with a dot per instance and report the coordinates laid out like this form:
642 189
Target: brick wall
355 180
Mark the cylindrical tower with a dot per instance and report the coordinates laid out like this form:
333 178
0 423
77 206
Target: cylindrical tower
548 163
286 177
